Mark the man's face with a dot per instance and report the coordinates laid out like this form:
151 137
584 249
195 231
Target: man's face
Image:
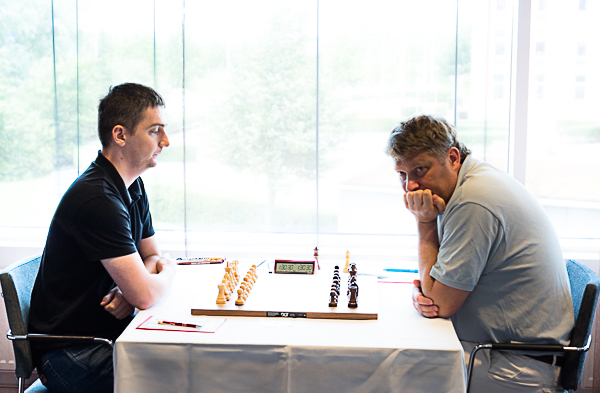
146 142
423 171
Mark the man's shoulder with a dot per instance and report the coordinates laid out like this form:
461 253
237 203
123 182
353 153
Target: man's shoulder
481 171
92 188
483 183
486 190
93 183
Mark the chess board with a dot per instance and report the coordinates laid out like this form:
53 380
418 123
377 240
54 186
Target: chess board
296 296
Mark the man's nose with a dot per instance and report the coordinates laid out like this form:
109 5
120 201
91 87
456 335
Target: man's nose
411 185
164 141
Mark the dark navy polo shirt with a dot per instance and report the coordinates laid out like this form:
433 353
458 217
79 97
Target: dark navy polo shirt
97 218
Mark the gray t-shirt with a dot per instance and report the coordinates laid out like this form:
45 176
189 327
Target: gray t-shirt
497 242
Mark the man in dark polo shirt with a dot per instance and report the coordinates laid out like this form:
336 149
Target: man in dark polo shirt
101 257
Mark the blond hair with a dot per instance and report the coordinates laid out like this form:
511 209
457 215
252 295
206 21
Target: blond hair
424 133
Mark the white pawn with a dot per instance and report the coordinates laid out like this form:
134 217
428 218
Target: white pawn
240 300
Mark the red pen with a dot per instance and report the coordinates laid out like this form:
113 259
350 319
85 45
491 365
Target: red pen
189 325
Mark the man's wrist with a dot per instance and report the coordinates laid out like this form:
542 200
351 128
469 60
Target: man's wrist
427 223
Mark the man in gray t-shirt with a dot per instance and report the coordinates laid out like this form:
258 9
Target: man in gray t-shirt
489 258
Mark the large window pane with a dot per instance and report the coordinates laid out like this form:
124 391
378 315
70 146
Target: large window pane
250 115
376 68
564 130
28 108
484 60
116 45
165 182
278 111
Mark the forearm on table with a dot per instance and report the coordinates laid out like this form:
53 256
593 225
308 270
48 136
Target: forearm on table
150 253
447 299
157 285
429 247
140 288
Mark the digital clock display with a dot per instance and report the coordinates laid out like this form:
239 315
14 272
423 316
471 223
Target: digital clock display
294 267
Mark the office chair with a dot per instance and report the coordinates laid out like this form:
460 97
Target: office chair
17 282
585 286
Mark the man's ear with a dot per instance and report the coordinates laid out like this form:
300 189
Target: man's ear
454 157
118 135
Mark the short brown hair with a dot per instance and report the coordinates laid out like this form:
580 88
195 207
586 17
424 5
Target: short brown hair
424 133
125 105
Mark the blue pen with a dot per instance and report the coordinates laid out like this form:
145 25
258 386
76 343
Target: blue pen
401 270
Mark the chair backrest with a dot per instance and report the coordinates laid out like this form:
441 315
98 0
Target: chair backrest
17 282
585 287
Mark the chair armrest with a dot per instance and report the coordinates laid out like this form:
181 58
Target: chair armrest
51 337
541 347
528 347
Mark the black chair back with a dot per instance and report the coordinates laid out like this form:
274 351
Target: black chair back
585 287
17 282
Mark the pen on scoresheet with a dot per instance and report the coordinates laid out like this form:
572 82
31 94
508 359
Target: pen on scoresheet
401 270
189 325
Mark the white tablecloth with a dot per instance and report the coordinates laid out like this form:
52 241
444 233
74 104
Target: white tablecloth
399 352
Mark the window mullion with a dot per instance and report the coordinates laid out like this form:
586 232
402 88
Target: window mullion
519 91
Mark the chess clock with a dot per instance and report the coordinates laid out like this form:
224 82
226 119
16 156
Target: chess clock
287 266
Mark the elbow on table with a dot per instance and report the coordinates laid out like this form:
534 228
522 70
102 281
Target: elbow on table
444 312
451 304
144 304
144 300
147 293
447 299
